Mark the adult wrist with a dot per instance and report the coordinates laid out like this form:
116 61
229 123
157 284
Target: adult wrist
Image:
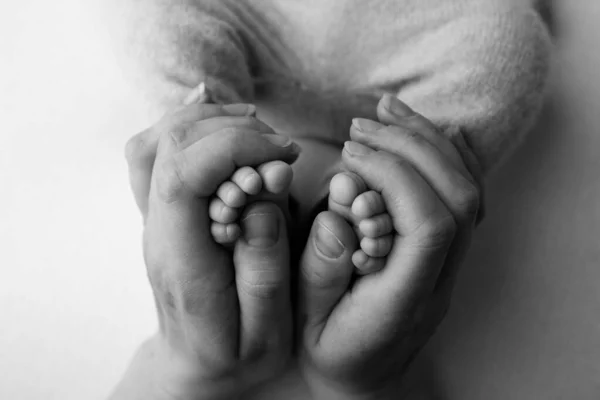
155 373
181 379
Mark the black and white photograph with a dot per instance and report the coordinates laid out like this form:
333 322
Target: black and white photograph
300 200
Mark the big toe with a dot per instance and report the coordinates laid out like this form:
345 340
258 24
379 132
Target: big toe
276 176
326 265
332 235
344 188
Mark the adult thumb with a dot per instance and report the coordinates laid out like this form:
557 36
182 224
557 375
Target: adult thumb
262 274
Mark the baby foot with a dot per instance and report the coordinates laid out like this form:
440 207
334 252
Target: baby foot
366 210
268 182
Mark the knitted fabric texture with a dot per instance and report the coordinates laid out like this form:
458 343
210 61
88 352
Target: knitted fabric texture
311 65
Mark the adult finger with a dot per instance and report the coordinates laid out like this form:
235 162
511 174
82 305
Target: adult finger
199 274
188 134
140 150
262 275
392 111
452 143
425 232
182 184
325 271
474 167
198 169
460 195
457 191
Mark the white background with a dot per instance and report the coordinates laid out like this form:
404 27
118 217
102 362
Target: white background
74 301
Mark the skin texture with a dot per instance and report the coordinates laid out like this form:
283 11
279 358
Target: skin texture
350 197
360 335
221 330
215 311
476 65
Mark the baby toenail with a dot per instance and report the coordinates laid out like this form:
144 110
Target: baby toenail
327 243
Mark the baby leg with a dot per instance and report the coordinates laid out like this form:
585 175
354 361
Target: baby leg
365 209
268 182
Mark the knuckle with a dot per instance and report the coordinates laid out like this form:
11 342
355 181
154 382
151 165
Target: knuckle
194 294
178 135
399 163
169 182
137 147
437 232
187 301
408 135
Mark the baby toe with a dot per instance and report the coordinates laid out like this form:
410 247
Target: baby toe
231 194
276 176
225 233
219 212
247 179
377 247
345 187
376 226
368 204
365 264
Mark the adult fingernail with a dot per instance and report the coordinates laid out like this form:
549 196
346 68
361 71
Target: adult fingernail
278 140
197 94
395 106
261 229
356 149
327 243
240 109
366 125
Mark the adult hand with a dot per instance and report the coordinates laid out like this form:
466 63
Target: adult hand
225 322
360 334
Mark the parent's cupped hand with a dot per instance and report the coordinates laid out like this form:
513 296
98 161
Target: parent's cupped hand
225 321
359 334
